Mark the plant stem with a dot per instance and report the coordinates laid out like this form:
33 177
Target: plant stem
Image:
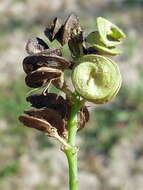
71 153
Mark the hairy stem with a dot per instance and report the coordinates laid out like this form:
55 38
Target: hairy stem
71 153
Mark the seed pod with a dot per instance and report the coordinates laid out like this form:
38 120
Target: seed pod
96 78
95 40
53 32
71 29
35 45
43 119
52 101
42 76
32 63
110 34
107 51
63 33
83 117
76 45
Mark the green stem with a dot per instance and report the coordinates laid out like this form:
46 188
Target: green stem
72 163
71 153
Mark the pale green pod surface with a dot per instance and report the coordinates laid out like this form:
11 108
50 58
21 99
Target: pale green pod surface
110 34
107 51
96 78
95 40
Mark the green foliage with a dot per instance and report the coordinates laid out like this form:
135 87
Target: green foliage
9 170
12 101
133 2
12 104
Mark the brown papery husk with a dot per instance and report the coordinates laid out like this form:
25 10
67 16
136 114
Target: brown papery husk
43 120
83 117
33 62
52 31
35 45
71 28
41 77
52 101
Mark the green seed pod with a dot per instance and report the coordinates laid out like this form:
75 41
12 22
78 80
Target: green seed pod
95 40
96 78
110 34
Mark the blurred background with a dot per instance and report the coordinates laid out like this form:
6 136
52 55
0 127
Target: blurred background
111 145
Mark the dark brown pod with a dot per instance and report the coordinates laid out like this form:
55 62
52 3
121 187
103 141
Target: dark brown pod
36 123
63 33
43 120
77 46
71 28
52 31
83 117
33 62
35 45
42 76
52 101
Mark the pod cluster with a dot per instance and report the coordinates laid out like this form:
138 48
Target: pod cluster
45 66
95 78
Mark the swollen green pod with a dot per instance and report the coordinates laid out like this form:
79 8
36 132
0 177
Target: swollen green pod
95 40
110 34
96 78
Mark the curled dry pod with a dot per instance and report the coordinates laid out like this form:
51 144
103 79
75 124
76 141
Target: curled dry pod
77 45
35 45
33 62
43 119
95 40
71 28
53 31
52 101
63 33
109 33
42 76
83 117
96 78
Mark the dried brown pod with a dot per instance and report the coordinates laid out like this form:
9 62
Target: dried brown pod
44 120
71 29
51 100
35 45
83 117
33 62
42 76
77 45
63 33
52 31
